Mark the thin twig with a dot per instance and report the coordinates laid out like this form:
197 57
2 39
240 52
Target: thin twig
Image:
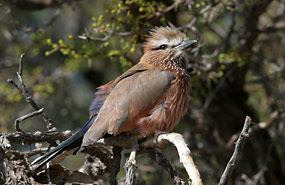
103 39
53 18
25 93
237 152
218 30
87 36
261 125
21 64
165 10
22 118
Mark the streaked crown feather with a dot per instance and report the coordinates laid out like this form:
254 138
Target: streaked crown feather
163 35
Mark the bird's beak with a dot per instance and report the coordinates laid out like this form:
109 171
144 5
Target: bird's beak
186 44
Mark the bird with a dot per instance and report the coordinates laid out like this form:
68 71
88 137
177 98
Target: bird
151 96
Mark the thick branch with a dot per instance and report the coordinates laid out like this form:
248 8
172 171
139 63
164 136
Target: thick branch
29 138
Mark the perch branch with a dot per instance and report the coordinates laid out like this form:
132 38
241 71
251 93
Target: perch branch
176 139
237 152
125 141
122 140
184 155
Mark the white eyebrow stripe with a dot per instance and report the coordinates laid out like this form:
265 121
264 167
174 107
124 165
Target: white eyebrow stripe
157 43
172 42
175 41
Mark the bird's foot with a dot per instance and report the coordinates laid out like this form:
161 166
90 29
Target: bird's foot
132 158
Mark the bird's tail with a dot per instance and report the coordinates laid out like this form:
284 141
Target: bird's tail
73 142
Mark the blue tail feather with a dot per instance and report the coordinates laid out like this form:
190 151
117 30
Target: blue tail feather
72 142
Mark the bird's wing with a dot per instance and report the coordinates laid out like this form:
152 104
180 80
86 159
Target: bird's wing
135 91
104 90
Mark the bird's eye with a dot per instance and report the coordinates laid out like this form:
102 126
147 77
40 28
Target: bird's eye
163 46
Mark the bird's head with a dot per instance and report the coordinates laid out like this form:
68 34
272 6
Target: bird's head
166 48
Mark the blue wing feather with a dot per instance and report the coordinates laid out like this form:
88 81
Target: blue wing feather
98 101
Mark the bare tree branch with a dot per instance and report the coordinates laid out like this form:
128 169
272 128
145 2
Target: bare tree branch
237 152
22 118
25 93
184 155
29 138
18 155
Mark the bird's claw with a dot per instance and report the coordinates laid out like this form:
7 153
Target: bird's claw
132 158
133 162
